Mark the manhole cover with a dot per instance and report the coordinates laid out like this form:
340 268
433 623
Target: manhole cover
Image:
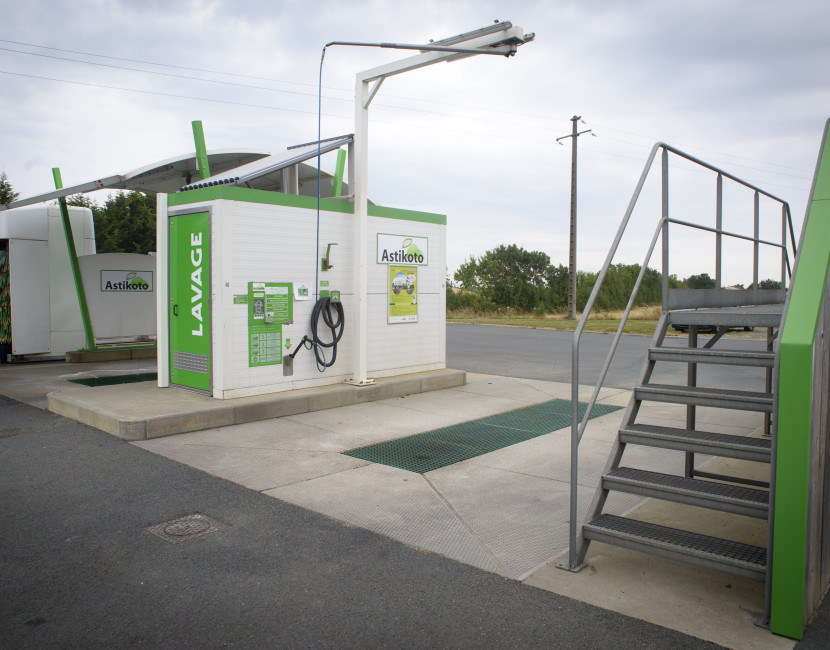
8 433
186 528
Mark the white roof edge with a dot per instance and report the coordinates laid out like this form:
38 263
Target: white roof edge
187 156
274 162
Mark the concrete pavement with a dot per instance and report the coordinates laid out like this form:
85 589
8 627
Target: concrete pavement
504 512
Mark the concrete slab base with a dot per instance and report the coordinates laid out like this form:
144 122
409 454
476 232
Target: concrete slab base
141 411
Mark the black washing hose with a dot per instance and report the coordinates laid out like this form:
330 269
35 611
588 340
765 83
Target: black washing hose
334 318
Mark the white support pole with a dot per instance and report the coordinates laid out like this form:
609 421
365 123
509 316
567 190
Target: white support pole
505 34
361 216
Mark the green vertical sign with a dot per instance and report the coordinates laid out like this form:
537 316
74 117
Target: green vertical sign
189 309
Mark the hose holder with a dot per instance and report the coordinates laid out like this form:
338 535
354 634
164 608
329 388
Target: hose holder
325 263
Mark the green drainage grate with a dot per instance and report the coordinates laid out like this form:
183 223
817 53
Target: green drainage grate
435 449
116 379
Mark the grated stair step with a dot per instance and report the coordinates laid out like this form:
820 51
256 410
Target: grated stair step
724 555
760 358
694 492
698 442
714 397
748 316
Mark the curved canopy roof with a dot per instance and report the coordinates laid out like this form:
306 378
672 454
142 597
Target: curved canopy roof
255 169
265 173
163 176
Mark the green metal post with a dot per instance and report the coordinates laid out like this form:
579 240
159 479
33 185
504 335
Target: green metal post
337 183
795 408
201 150
73 262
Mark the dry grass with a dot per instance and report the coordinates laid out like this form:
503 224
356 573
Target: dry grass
642 320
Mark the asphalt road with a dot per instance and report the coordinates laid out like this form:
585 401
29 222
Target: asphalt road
79 569
546 354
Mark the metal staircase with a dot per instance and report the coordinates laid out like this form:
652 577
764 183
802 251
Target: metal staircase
694 485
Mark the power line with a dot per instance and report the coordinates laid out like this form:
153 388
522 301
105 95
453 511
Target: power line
263 106
489 135
241 85
162 94
165 65
651 139
285 81
161 74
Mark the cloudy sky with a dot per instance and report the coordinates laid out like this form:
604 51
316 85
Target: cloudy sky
103 87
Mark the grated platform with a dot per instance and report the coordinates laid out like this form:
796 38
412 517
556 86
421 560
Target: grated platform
441 447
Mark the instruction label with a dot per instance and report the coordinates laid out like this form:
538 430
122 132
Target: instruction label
265 346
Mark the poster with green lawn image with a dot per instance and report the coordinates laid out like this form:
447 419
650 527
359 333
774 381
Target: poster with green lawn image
403 294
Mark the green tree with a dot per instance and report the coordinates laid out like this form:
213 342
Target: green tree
126 223
509 276
699 281
467 274
619 283
7 193
514 277
556 280
770 284
81 201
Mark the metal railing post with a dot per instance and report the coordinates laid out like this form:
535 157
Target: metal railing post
784 244
756 247
665 234
719 235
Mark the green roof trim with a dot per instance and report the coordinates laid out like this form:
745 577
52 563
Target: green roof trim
248 195
407 215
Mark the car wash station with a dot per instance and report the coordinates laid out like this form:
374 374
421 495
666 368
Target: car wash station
262 290
272 275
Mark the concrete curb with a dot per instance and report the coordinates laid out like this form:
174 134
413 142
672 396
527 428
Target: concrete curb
143 411
94 356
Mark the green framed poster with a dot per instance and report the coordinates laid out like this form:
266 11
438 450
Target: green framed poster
270 305
403 294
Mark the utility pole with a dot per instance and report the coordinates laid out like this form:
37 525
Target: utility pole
572 255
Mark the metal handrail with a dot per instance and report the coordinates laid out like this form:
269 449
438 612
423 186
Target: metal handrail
577 426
